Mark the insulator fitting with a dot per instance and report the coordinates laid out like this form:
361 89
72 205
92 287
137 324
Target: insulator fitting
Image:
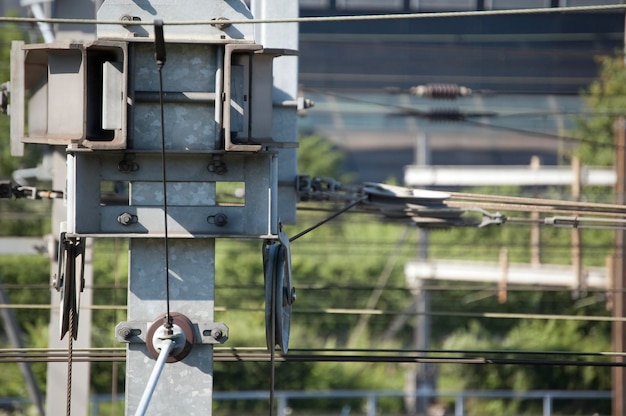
442 91
445 114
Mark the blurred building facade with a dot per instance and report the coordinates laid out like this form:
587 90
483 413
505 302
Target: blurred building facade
526 72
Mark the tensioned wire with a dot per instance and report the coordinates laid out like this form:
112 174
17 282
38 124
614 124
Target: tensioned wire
469 118
370 17
257 354
346 18
356 311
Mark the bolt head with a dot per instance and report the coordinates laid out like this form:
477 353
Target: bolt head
125 332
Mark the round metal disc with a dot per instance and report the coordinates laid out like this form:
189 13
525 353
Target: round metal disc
277 304
183 327
283 306
269 259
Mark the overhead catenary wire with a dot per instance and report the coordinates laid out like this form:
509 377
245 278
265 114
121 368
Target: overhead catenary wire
459 116
347 356
166 268
102 351
365 311
343 18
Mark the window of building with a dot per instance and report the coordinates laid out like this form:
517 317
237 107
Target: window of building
517 4
315 4
575 3
443 5
388 5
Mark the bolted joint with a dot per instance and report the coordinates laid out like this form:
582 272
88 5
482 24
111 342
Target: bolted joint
127 219
129 18
217 166
125 332
221 23
219 220
127 166
181 332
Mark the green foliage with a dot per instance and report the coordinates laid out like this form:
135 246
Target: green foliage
17 218
556 337
606 97
336 267
25 282
318 157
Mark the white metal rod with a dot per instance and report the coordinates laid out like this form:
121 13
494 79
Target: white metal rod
442 175
44 27
166 349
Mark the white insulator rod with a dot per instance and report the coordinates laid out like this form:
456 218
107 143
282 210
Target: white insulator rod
44 27
166 349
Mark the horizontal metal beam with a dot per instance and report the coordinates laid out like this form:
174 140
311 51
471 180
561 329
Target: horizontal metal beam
492 272
23 246
505 175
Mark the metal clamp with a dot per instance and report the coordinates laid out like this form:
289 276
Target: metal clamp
136 332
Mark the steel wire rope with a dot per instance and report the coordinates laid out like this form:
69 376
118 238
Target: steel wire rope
368 356
486 315
103 351
160 62
405 111
163 148
96 351
327 219
315 287
537 201
317 19
273 313
542 134
70 344
165 199
354 311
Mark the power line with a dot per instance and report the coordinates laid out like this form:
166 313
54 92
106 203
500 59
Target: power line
255 354
319 19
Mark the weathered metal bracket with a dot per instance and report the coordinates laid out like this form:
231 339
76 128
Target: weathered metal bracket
194 210
135 332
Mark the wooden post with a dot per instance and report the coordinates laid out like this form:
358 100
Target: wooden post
576 238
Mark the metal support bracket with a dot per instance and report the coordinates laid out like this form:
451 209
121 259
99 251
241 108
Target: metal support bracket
135 332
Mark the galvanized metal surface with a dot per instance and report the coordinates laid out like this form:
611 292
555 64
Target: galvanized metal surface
186 386
195 80
284 119
191 187
176 10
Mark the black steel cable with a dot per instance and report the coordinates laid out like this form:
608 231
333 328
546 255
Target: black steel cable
363 356
272 346
327 219
160 62
458 116
341 18
70 345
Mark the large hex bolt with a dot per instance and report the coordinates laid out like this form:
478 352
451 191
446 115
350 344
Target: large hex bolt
127 218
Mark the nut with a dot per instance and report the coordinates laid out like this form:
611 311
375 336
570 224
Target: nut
125 332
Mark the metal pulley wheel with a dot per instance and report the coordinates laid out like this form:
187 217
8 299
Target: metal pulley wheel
279 292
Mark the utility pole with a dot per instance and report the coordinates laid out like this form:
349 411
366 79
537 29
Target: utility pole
419 378
57 371
619 277
209 106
